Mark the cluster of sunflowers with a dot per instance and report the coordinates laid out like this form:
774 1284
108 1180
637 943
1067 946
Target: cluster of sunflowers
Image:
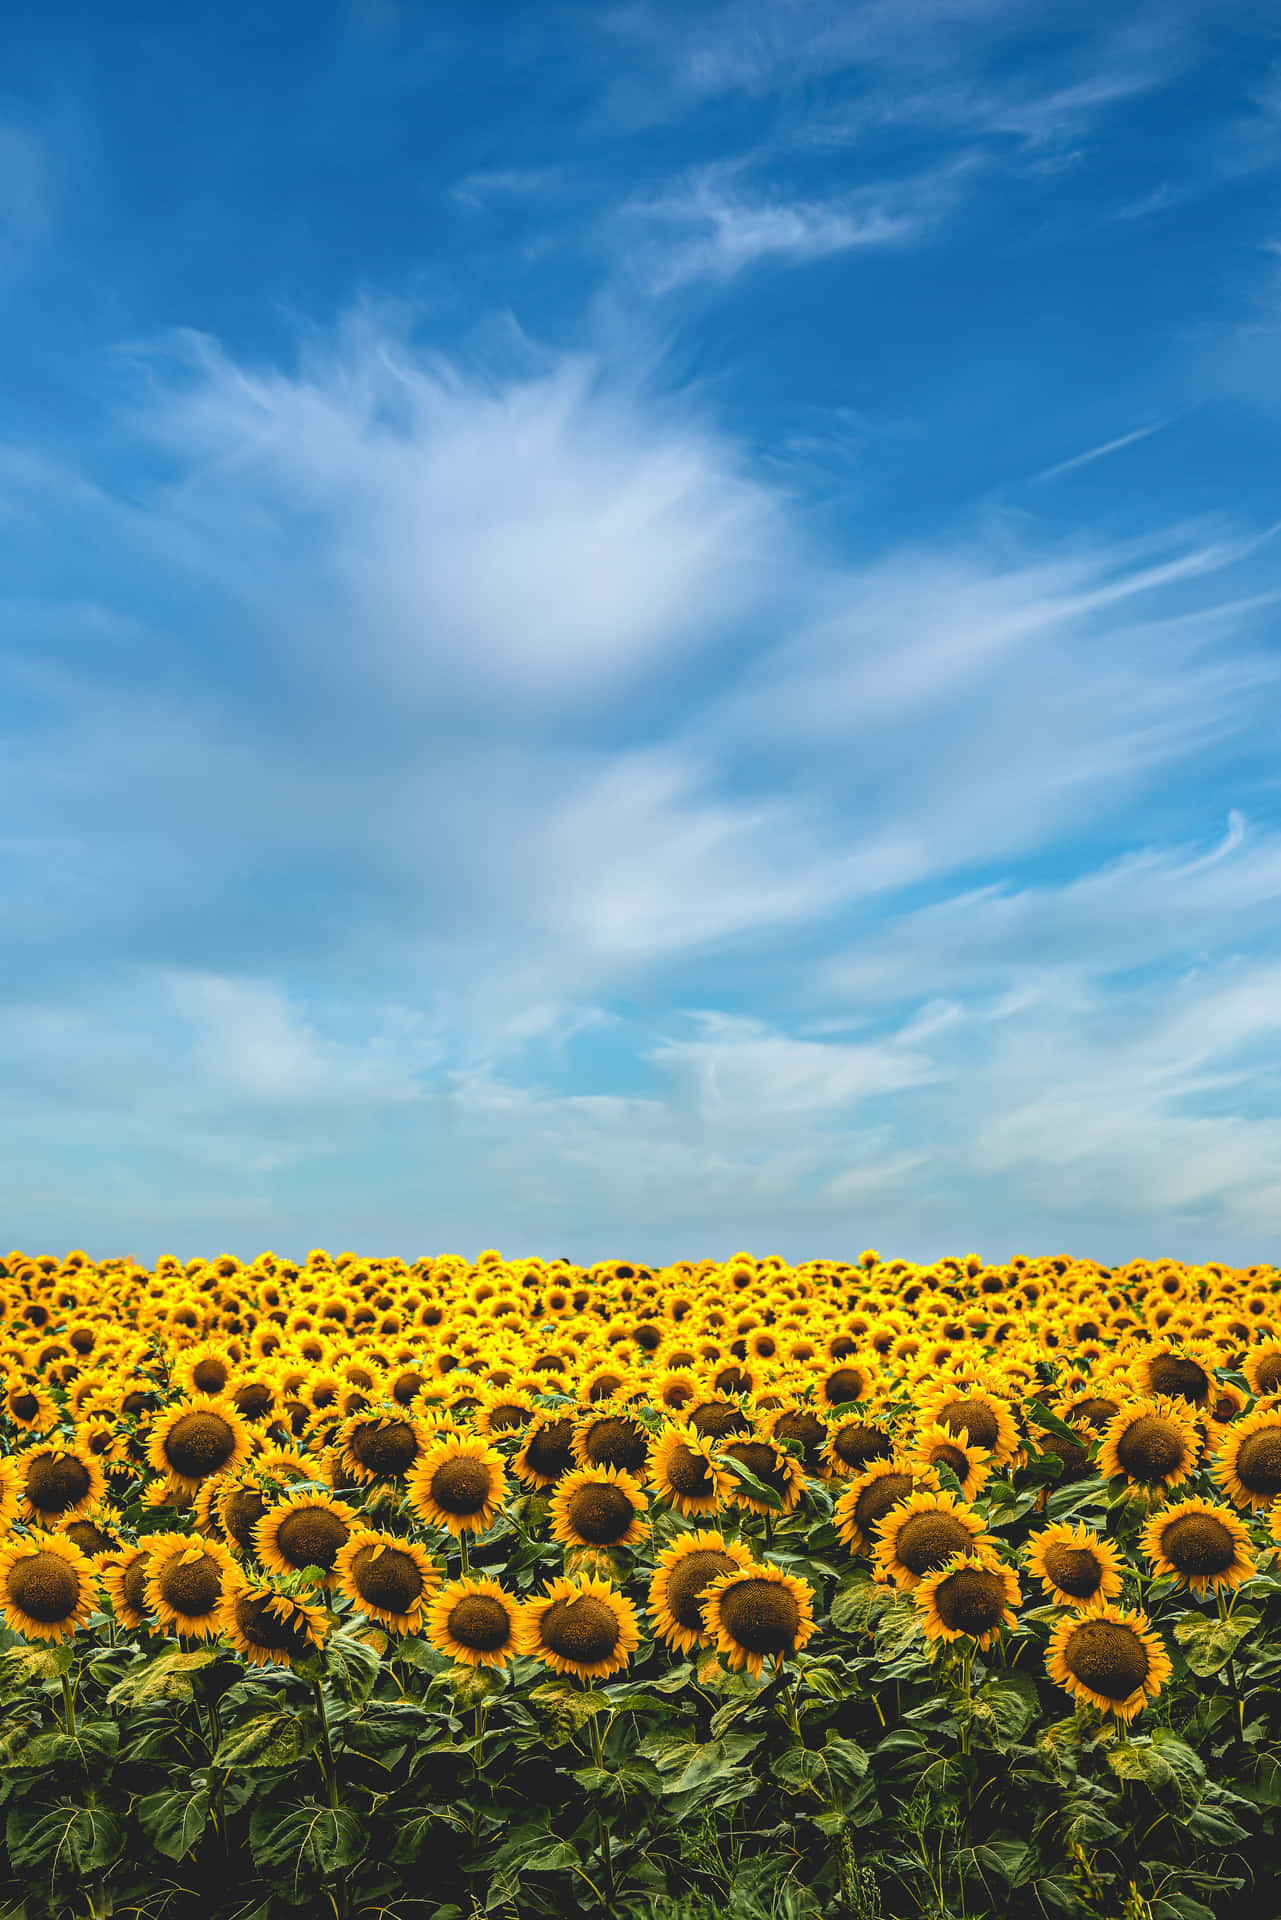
254 1453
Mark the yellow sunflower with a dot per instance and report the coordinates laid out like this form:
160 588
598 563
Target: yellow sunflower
1074 1565
475 1622
95 1531
1110 1658
124 1578
389 1579
206 1368
1203 1543
1248 1463
47 1586
685 1473
597 1507
938 1446
921 1532
756 1614
29 1404
1152 1442
971 1596
268 1627
58 1479
10 1492
684 1572
304 1530
983 1418
1180 1370
580 1626
547 1451
605 1438
504 1409
852 1444
872 1495
1262 1368
781 1472
459 1483
195 1438
183 1585
379 1446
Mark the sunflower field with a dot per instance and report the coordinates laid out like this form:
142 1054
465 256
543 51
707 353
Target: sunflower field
865 1589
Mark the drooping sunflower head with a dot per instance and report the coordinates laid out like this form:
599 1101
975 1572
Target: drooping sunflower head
874 1493
580 1626
58 1479
1204 1544
1152 1442
47 1586
184 1585
389 1579
1074 1565
1248 1463
756 1614
266 1626
459 1483
922 1532
713 1416
935 1445
95 1530
304 1530
1110 1658
612 1439
684 1572
972 1596
196 1438
475 1622
597 1507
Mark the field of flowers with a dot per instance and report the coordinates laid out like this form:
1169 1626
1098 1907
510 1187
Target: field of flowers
369 1589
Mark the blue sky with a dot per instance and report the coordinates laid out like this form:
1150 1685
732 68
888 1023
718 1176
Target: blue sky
641 630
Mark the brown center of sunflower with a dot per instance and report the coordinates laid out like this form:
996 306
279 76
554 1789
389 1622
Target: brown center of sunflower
480 1622
56 1481
1096 1411
199 1444
1151 1448
845 1383
732 1380
311 1537
393 1581
599 1514
1259 1461
971 1600
761 1615
972 1417
688 1578
841 1346
856 1444
134 1583
550 1451
1198 1544
89 1539
210 1375
44 1587
606 1386
506 1416
244 1509
1075 1457
462 1485
760 1459
875 1501
191 1588
677 1394
808 1429
615 1443
688 1473
1076 1571
926 1540
1269 1374
584 1630
716 1419
25 1406
253 1399
82 1340
386 1451
1175 1374
1224 1408
267 1630
952 1457
407 1385
1107 1656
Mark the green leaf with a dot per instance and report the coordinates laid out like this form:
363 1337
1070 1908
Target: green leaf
89 1752
352 1665
1041 1416
174 1821
166 1676
1208 1644
305 1848
268 1740
64 1845
1006 1707
859 1605
756 1487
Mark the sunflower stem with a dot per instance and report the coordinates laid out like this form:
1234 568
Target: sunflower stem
68 1706
463 1549
327 1763
606 1855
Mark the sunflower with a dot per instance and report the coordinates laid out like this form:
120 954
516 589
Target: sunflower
684 1571
923 1531
781 1472
852 1444
1204 1544
1248 1463
982 1418
1110 1658
714 1415
580 1626
868 1499
475 1622
379 1446
547 1451
971 1596
389 1579
1181 1370
268 1627
46 1586
801 1426
29 1404
93 1531
1074 1565
844 1381
603 1439
1152 1442
459 1484
938 1446
597 1507
685 1472
124 1578
504 1409
206 1368
58 1479
183 1585
196 1438
1262 1368
10 1492
756 1614
674 1391
304 1530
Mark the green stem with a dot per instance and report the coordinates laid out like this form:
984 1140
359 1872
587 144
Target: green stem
606 1854
462 1547
68 1706
331 1776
